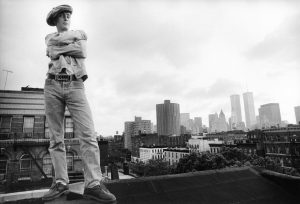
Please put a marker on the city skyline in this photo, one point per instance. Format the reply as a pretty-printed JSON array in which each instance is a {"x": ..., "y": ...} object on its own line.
[{"x": 194, "y": 53}]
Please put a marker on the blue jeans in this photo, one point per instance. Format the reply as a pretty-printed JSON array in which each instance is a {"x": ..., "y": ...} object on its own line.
[{"x": 58, "y": 95}]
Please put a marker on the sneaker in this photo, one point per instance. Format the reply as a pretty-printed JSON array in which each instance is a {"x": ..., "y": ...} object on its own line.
[
  {"x": 56, "y": 190},
  {"x": 99, "y": 193}
]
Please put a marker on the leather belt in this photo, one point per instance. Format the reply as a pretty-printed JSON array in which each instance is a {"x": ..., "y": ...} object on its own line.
[{"x": 62, "y": 77}]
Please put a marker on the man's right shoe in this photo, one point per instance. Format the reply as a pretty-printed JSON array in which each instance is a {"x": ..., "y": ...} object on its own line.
[
  {"x": 99, "y": 193},
  {"x": 55, "y": 191}
]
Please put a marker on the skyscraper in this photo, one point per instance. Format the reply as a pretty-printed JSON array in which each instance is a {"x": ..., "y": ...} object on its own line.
[
  {"x": 236, "y": 113},
  {"x": 222, "y": 125},
  {"x": 168, "y": 118},
  {"x": 269, "y": 115},
  {"x": 249, "y": 109},
  {"x": 218, "y": 122},
  {"x": 197, "y": 127},
  {"x": 184, "y": 120},
  {"x": 212, "y": 120},
  {"x": 297, "y": 114}
]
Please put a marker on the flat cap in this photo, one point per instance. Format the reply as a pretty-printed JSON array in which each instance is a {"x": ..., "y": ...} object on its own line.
[{"x": 55, "y": 11}]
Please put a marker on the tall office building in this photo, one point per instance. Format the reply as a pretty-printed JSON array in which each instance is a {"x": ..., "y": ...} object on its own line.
[
  {"x": 184, "y": 120},
  {"x": 269, "y": 115},
  {"x": 135, "y": 127},
  {"x": 197, "y": 127},
  {"x": 218, "y": 122},
  {"x": 222, "y": 124},
  {"x": 236, "y": 113},
  {"x": 212, "y": 119},
  {"x": 168, "y": 118},
  {"x": 297, "y": 114},
  {"x": 249, "y": 110}
]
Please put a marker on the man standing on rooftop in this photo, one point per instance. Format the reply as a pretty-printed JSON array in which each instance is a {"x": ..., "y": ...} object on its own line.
[{"x": 64, "y": 87}]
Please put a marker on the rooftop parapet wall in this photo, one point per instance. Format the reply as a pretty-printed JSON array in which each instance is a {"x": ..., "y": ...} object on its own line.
[{"x": 237, "y": 185}]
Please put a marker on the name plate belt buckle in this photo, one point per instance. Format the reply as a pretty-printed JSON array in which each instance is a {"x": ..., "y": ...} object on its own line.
[{"x": 63, "y": 77}]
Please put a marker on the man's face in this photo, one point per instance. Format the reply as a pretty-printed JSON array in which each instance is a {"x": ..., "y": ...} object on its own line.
[{"x": 63, "y": 21}]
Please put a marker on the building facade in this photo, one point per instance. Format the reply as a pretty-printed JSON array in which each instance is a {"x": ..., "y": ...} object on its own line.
[
  {"x": 147, "y": 153},
  {"x": 283, "y": 145},
  {"x": 198, "y": 145},
  {"x": 229, "y": 137},
  {"x": 168, "y": 118},
  {"x": 218, "y": 123},
  {"x": 173, "y": 155},
  {"x": 269, "y": 115},
  {"x": 184, "y": 120},
  {"x": 212, "y": 118},
  {"x": 236, "y": 113},
  {"x": 197, "y": 126},
  {"x": 128, "y": 133},
  {"x": 141, "y": 126},
  {"x": 297, "y": 114},
  {"x": 136, "y": 127},
  {"x": 249, "y": 110},
  {"x": 24, "y": 138},
  {"x": 151, "y": 140}
]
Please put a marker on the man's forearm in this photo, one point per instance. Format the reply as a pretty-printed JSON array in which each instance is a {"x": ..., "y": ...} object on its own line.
[{"x": 76, "y": 50}]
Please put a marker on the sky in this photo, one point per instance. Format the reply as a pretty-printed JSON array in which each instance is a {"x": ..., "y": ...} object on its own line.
[{"x": 142, "y": 52}]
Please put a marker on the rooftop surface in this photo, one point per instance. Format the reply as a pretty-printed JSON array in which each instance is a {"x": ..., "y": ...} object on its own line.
[{"x": 239, "y": 185}]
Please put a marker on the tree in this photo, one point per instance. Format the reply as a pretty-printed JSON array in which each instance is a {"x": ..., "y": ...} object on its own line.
[
  {"x": 200, "y": 162},
  {"x": 234, "y": 154},
  {"x": 153, "y": 167},
  {"x": 156, "y": 167}
]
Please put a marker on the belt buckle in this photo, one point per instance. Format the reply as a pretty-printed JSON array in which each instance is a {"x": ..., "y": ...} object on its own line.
[{"x": 62, "y": 77}]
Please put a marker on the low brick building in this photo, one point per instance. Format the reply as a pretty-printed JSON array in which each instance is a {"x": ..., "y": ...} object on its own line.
[
  {"x": 24, "y": 138},
  {"x": 155, "y": 140},
  {"x": 283, "y": 145}
]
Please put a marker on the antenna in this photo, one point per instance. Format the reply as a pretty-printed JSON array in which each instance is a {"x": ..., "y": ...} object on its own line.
[{"x": 7, "y": 71}]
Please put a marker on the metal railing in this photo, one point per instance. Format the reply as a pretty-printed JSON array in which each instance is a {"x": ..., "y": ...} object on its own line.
[{"x": 12, "y": 140}]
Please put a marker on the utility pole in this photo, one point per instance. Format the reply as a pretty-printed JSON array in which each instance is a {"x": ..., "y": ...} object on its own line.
[{"x": 7, "y": 71}]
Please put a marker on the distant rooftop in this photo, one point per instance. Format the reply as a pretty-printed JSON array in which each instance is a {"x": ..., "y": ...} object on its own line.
[{"x": 27, "y": 88}]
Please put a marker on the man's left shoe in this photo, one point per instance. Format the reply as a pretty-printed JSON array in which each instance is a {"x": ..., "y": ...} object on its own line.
[{"x": 99, "y": 193}]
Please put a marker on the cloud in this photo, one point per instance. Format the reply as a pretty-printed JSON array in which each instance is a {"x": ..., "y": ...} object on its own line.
[
  {"x": 148, "y": 82},
  {"x": 281, "y": 45},
  {"x": 139, "y": 32},
  {"x": 220, "y": 88}
]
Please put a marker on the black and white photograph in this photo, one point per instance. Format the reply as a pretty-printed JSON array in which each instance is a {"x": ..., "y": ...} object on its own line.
[{"x": 149, "y": 101}]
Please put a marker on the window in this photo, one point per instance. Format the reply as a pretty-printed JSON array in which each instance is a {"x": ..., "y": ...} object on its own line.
[
  {"x": 25, "y": 163},
  {"x": 47, "y": 132},
  {"x": 69, "y": 125},
  {"x": 3, "y": 166},
  {"x": 5, "y": 124},
  {"x": 70, "y": 162},
  {"x": 28, "y": 124},
  {"x": 47, "y": 165}
]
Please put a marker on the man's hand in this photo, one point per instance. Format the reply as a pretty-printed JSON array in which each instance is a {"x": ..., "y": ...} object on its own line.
[{"x": 76, "y": 50}]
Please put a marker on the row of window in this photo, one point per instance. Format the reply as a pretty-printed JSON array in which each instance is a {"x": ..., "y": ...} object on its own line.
[
  {"x": 177, "y": 154},
  {"x": 215, "y": 150},
  {"x": 25, "y": 164},
  {"x": 28, "y": 125},
  {"x": 283, "y": 150}
]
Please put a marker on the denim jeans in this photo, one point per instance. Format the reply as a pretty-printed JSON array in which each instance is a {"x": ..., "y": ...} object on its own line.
[{"x": 58, "y": 95}]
